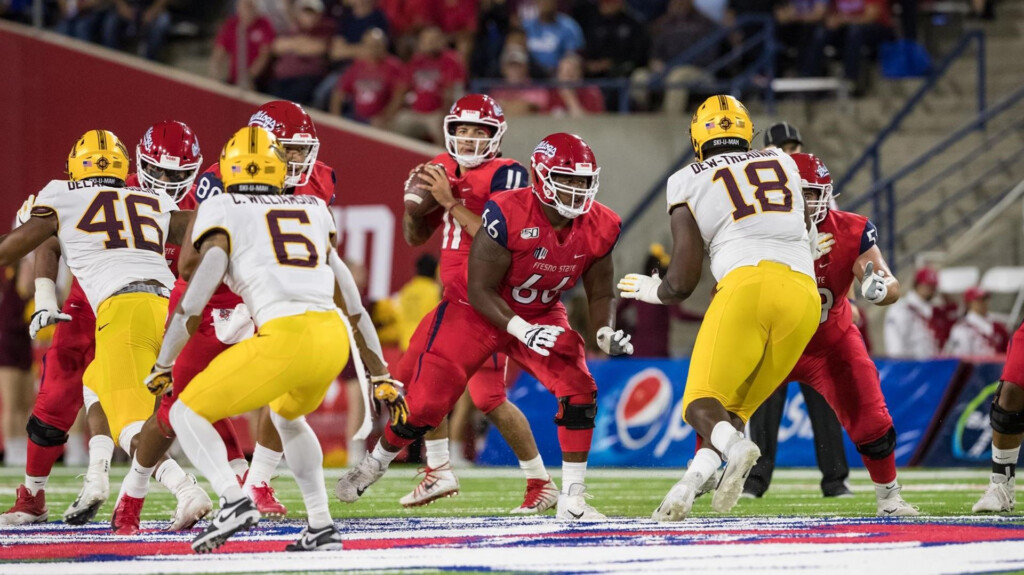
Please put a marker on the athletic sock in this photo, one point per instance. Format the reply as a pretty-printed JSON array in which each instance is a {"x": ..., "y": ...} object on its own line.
[{"x": 534, "y": 468}]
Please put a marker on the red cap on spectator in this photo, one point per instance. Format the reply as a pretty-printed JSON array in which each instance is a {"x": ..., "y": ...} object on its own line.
[
  {"x": 926, "y": 276},
  {"x": 973, "y": 294}
]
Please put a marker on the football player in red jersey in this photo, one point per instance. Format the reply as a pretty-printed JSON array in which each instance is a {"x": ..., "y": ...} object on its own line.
[
  {"x": 836, "y": 362},
  {"x": 168, "y": 158},
  {"x": 462, "y": 180},
  {"x": 538, "y": 242},
  {"x": 226, "y": 320}
]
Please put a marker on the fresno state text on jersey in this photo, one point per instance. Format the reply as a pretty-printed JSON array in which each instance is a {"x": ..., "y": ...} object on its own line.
[
  {"x": 854, "y": 234},
  {"x": 473, "y": 188},
  {"x": 545, "y": 262}
]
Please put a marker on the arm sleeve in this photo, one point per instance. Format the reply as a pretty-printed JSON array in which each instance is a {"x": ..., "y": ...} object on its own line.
[
  {"x": 509, "y": 177},
  {"x": 354, "y": 304},
  {"x": 204, "y": 282},
  {"x": 869, "y": 238},
  {"x": 493, "y": 221}
]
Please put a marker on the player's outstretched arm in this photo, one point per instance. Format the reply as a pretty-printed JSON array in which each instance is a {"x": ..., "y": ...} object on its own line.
[
  {"x": 877, "y": 284},
  {"x": 213, "y": 264},
  {"x": 347, "y": 298},
  {"x": 597, "y": 281},
  {"x": 25, "y": 238},
  {"x": 47, "y": 262},
  {"x": 684, "y": 270}
]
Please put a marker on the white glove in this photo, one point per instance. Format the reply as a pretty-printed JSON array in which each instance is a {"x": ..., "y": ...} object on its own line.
[
  {"x": 538, "y": 338},
  {"x": 47, "y": 311},
  {"x": 824, "y": 245},
  {"x": 614, "y": 342},
  {"x": 873, "y": 287},
  {"x": 25, "y": 211},
  {"x": 640, "y": 287},
  {"x": 44, "y": 318}
]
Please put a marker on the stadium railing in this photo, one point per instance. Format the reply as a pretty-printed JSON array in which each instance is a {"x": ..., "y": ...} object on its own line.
[
  {"x": 873, "y": 152},
  {"x": 883, "y": 197}
]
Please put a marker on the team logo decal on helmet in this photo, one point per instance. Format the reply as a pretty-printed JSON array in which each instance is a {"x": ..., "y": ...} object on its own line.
[
  {"x": 567, "y": 155},
  {"x": 476, "y": 109},
  {"x": 253, "y": 162},
  {"x": 814, "y": 175},
  {"x": 98, "y": 154},
  {"x": 295, "y": 130}
]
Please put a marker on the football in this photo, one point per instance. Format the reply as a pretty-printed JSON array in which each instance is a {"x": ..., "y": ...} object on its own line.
[{"x": 418, "y": 201}]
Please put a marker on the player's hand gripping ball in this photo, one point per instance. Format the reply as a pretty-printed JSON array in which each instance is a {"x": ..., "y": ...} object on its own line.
[{"x": 418, "y": 200}]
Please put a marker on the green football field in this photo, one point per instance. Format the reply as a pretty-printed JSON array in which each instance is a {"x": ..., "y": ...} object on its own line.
[{"x": 617, "y": 492}]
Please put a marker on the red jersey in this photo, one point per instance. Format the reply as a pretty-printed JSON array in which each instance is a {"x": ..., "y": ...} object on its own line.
[
  {"x": 430, "y": 78},
  {"x": 545, "y": 262},
  {"x": 371, "y": 85},
  {"x": 171, "y": 251},
  {"x": 854, "y": 234},
  {"x": 321, "y": 184},
  {"x": 473, "y": 188}
]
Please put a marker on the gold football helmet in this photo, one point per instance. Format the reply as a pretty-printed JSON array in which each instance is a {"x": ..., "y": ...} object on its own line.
[
  {"x": 98, "y": 154},
  {"x": 721, "y": 121},
  {"x": 255, "y": 159}
]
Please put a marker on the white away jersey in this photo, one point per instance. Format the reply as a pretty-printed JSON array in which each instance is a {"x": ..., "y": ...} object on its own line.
[
  {"x": 279, "y": 247},
  {"x": 110, "y": 237},
  {"x": 749, "y": 207}
]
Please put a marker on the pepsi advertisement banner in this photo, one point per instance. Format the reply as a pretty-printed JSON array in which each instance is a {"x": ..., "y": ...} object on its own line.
[
  {"x": 640, "y": 402},
  {"x": 965, "y": 437}
]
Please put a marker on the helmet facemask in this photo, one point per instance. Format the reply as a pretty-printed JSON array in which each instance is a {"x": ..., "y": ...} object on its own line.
[
  {"x": 150, "y": 170},
  {"x": 582, "y": 199},
  {"x": 300, "y": 172},
  {"x": 818, "y": 208},
  {"x": 484, "y": 149}
]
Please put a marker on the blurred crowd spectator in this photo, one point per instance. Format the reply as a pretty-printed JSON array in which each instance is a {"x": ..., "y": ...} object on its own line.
[
  {"x": 925, "y": 324},
  {"x": 535, "y": 56}
]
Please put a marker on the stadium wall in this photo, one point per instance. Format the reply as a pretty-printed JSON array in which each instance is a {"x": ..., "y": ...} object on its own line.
[{"x": 54, "y": 89}]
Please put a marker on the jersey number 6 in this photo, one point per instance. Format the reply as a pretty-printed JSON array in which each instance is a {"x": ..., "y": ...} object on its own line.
[
  {"x": 741, "y": 208},
  {"x": 282, "y": 239}
]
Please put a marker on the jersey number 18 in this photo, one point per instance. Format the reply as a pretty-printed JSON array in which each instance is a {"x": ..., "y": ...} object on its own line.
[{"x": 752, "y": 171}]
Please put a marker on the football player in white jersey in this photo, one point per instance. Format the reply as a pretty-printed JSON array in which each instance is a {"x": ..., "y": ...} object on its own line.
[
  {"x": 747, "y": 208},
  {"x": 112, "y": 238},
  {"x": 278, "y": 253}
]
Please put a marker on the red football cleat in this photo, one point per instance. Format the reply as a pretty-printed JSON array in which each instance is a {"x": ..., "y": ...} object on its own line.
[
  {"x": 266, "y": 502},
  {"x": 126, "y": 515},
  {"x": 27, "y": 509}
]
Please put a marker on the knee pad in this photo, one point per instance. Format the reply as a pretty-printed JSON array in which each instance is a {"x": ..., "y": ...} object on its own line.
[
  {"x": 411, "y": 432},
  {"x": 576, "y": 415},
  {"x": 89, "y": 398},
  {"x": 45, "y": 435},
  {"x": 124, "y": 439},
  {"x": 881, "y": 447},
  {"x": 1004, "y": 421}
]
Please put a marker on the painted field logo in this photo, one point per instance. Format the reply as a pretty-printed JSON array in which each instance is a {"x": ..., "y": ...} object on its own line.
[
  {"x": 972, "y": 437},
  {"x": 640, "y": 413}
]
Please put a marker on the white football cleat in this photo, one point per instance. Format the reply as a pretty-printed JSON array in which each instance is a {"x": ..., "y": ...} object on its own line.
[
  {"x": 95, "y": 492},
  {"x": 193, "y": 505},
  {"x": 710, "y": 484},
  {"x": 739, "y": 461},
  {"x": 679, "y": 500},
  {"x": 999, "y": 497},
  {"x": 574, "y": 507},
  {"x": 541, "y": 495},
  {"x": 436, "y": 483},
  {"x": 893, "y": 505},
  {"x": 351, "y": 486}
]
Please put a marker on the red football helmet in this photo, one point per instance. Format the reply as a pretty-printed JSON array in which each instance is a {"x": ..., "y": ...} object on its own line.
[
  {"x": 814, "y": 175},
  {"x": 475, "y": 109},
  {"x": 168, "y": 158},
  {"x": 565, "y": 154},
  {"x": 295, "y": 130}
]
